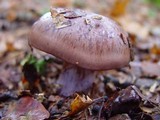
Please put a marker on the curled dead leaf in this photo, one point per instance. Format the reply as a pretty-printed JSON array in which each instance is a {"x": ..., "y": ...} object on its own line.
[
  {"x": 79, "y": 104},
  {"x": 147, "y": 109}
]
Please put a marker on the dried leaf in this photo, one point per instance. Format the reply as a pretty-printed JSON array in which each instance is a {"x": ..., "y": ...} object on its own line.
[
  {"x": 67, "y": 13},
  {"x": 28, "y": 108},
  {"x": 63, "y": 24},
  {"x": 54, "y": 12},
  {"x": 79, "y": 104},
  {"x": 59, "y": 20},
  {"x": 147, "y": 109},
  {"x": 122, "y": 102},
  {"x": 144, "y": 98},
  {"x": 61, "y": 16}
]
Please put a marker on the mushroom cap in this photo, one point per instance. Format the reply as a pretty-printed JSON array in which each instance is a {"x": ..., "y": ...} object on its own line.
[{"x": 85, "y": 39}]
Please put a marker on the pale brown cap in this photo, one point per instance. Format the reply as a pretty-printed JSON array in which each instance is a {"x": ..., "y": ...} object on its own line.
[{"x": 85, "y": 39}]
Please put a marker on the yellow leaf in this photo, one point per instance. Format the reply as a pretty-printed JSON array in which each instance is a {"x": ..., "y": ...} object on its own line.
[
  {"x": 119, "y": 8},
  {"x": 79, "y": 104}
]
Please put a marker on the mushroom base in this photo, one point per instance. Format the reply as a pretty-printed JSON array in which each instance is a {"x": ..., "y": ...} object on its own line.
[{"x": 75, "y": 79}]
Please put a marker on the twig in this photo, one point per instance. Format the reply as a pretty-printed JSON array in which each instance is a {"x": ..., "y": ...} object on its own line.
[{"x": 100, "y": 111}]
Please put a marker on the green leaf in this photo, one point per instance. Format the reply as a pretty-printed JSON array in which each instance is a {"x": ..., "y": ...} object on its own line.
[
  {"x": 29, "y": 59},
  {"x": 40, "y": 66}
]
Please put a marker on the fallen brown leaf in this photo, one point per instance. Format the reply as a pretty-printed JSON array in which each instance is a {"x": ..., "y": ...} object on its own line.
[
  {"x": 121, "y": 102},
  {"x": 26, "y": 108}
]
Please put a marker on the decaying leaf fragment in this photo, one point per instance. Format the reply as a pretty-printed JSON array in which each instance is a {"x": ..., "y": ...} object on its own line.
[
  {"x": 59, "y": 20},
  {"x": 122, "y": 102},
  {"x": 79, "y": 104},
  {"x": 26, "y": 108},
  {"x": 61, "y": 17}
]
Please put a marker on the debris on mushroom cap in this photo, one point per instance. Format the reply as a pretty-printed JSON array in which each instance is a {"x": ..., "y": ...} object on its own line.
[
  {"x": 97, "y": 17},
  {"x": 67, "y": 13},
  {"x": 93, "y": 41}
]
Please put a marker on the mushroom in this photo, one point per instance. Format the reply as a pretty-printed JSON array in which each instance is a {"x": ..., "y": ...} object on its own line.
[{"x": 86, "y": 41}]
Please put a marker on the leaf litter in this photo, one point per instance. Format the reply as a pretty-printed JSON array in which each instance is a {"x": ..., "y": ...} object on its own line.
[{"x": 112, "y": 96}]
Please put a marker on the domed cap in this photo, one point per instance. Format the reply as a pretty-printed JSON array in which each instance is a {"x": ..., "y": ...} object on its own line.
[{"x": 85, "y": 39}]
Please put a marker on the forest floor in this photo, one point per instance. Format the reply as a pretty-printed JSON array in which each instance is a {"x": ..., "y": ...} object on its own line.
[{"x": 28, "y": 88}]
